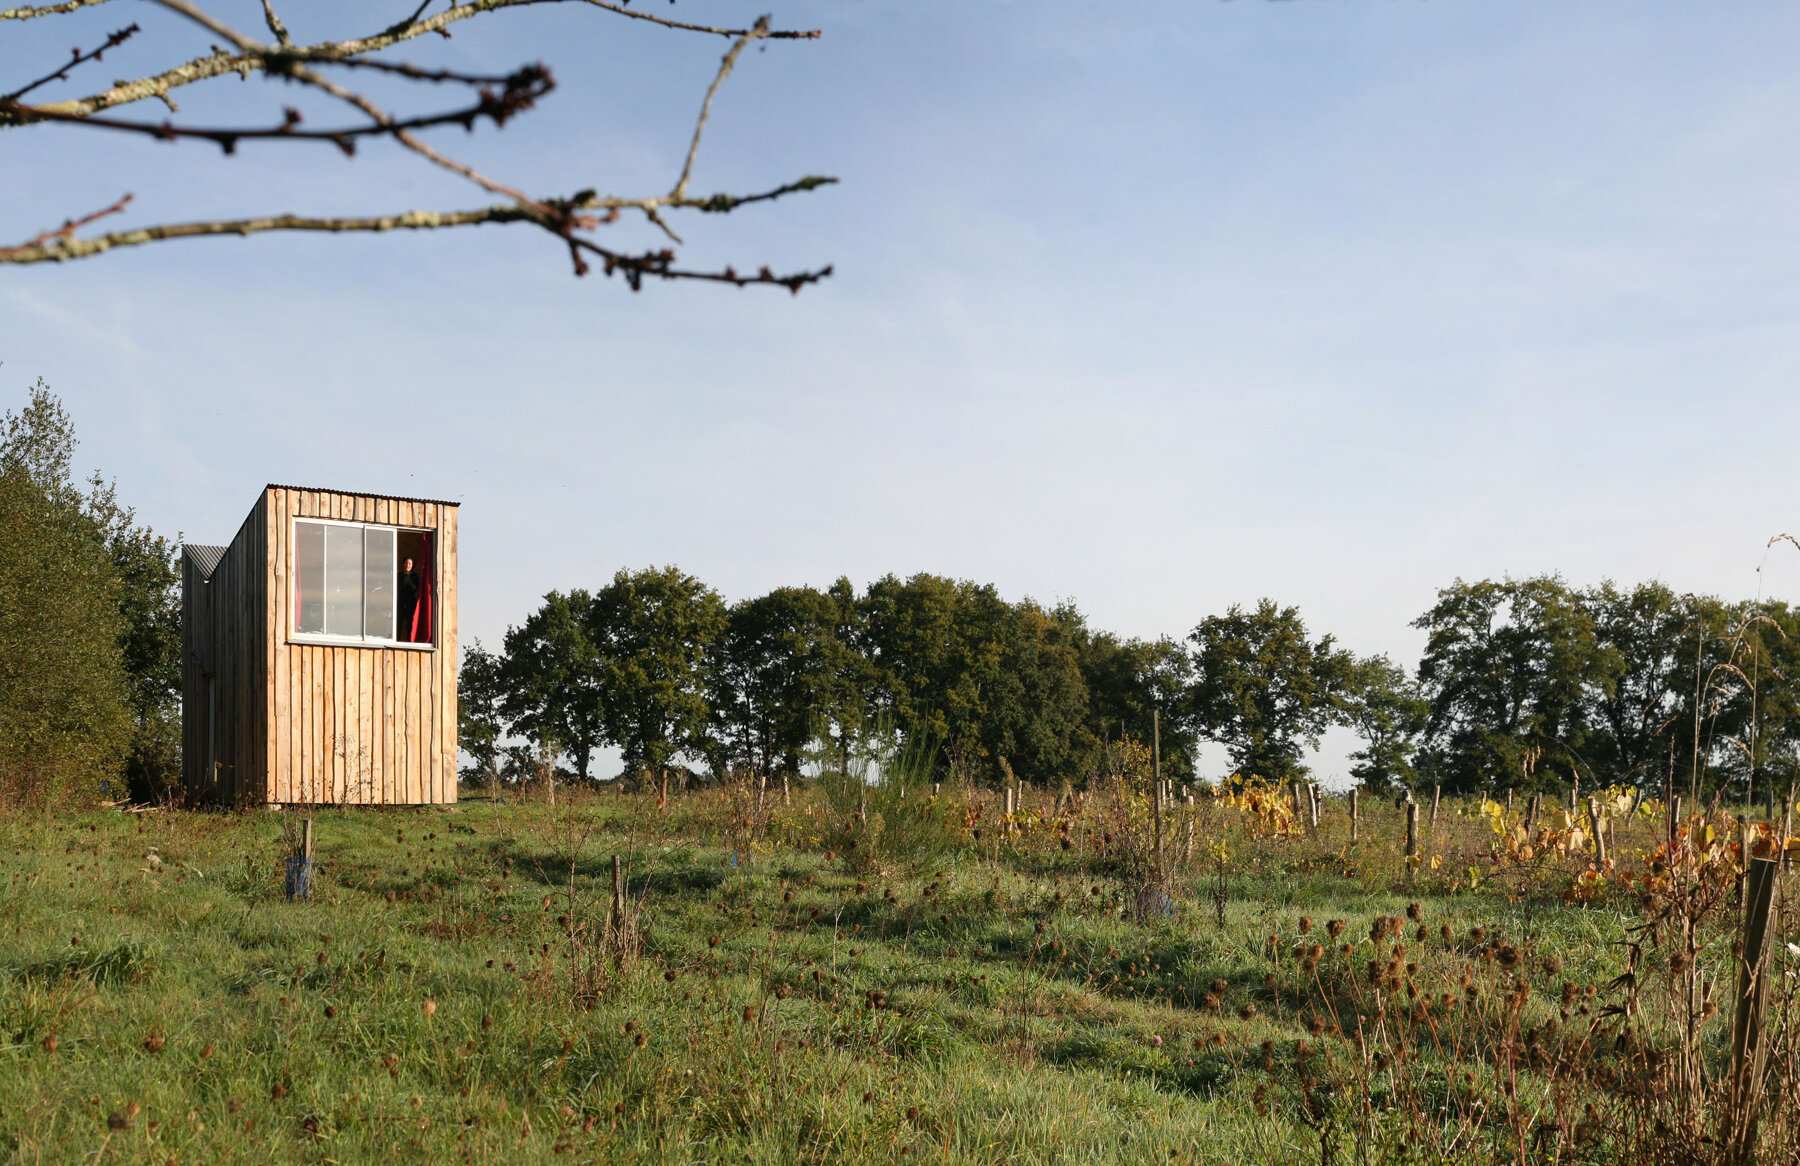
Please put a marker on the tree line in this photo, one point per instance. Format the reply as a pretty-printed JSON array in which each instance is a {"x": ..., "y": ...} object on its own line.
[{"x": 1526, "y": 684}]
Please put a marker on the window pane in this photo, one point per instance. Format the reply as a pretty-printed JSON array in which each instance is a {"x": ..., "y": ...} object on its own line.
[
  {"x": 343, "y": 580},
  {"x": 378, "y": 582},
  {"x": 309, "y": 577}
]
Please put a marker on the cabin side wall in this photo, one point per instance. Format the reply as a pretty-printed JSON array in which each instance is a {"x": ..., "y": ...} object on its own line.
[
  {"x": 354, "y": 724},
  {"x": 225, "y": 671}
]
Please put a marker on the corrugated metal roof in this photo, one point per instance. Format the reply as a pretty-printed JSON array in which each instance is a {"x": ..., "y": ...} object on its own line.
[
  {"x": 361, "y": 494},
  {"x": 204, "y": 558}
]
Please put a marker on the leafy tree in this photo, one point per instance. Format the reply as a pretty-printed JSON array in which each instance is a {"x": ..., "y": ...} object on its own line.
[
  {"x": 147, "y": 574},
  {"x": 654, "y": 632},
  {"x": 955, "y": 665},
  {"x": 1389, "y": 714},
  {"x": 1633, "y": 714},
  {"x": 782, "y": 675},
  {"x": 551, "y": 686},
  {"x": 1263, "y": 689},
  {"x": 1128, "y": 679},
  {"x": 1508, "y": 670},
  {"x": 480, "y": 718},
  {"x": 65, "y": 713}
]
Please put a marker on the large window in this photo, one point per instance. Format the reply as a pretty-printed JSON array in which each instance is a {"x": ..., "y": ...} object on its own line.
[{"x": 359, "y": 582}]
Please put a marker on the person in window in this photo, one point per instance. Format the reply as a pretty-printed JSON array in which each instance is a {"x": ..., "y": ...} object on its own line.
[{"x": 409, "y": 601}]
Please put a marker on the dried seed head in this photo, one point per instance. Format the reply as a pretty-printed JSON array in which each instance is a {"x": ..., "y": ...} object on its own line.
[
  {"x": 154, "y": 1043},
  {"x": 1219, "y": 987},
  {"x": 429, "y": 1007},
  {"x": 1246, "y": 1010},
  {"x": 1335, "y": 928},
  {"x": 1306, "y": 924},
  {"x": 1414, "y": 912}
]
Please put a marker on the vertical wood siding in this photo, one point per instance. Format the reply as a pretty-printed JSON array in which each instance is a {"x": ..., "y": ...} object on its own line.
[
  {"x": 222, "y": 641},
  {"x": 352, "y": 724}
]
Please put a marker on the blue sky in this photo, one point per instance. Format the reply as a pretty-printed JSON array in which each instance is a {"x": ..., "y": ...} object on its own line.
[{"x": 1158, "y": 307}]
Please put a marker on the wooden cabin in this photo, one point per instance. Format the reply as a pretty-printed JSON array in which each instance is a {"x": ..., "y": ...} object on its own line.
[{"x": 316, "y": 669}]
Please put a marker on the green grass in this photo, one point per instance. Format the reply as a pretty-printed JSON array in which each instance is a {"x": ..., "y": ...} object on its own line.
[{"x": 797, "y": 1008}]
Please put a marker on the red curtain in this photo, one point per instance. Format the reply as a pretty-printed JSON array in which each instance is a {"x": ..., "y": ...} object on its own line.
[{"x": 422, "y": 610}]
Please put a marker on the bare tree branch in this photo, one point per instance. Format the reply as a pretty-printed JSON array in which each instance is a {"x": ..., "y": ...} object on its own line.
[
  {"x": 411, "y": 142},
  {"x": 59, "y": 245},
  {"x": 243, "y": 64},
  {"x": 562, "y": 217},
  {"x": 63, "y": 232},
  {"x": 47, "y": 9},
  {"x": 77, "y": 57},
  {"x": 275, "y": 25},
  {"x": 780, "y": 34},
  {"x": 523, "y": 88},
  {"x": 209, "y": 22},
  {"x": 725, "y": 66}
]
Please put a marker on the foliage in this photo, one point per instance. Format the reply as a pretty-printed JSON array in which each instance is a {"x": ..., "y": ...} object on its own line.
[
  {"x": 65, "y": 696},
  {"x": 1127, "y": 681},
  {"x": 552, "y": 688},
  {"x": 1389, "y": 714},
  {"x": 953, "y": 662},
  {"x": 653, "y": 632},
  {"x": 480, "y": 719},
  {"x": 785, "y": 673},
  {"x": 1262, "y": 688}
]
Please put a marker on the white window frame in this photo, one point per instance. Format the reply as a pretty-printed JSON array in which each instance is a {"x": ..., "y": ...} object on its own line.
[{"x": 295, "y": 636}]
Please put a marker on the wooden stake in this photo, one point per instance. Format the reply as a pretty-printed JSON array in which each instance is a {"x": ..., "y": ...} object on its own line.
[
  {"x": 306, "y": 839},
  {"x": 1674, "y": 817},
  {"x": 1509, "y": 799},
  {"x": 1593, "y": 810},
  {"x": 1412, "y": 835},
  {"x": 1746, "y": 1080},
  {"x": 1156, "y": 778},
  {"x": 1355, "y": 813},
  {"x": 1437, "y": 796},
  {"x": 1787, "y": 827},
  {"x": 1531, "y": 814}
]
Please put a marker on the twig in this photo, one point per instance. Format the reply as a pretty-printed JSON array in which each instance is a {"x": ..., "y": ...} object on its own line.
[
  {"x": 47, "y": 9},
  {"x": 209, "y": 22},
  {"x": 523, "y": 88},
  {"x": 779, "y": 34},
  {"x": 77, "y": 57},
  {"x": 382, "y": 118},
  {"x": 725, "y": 67},
  {"x": 60, "y": 246},
  {"x": 68, "y": 228},
  {"x": 275, "y": 25},
  {"x": 220, "y": 63}
]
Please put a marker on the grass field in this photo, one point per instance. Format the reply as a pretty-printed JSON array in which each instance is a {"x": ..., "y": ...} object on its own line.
[{"x": 798, "y": 984}]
